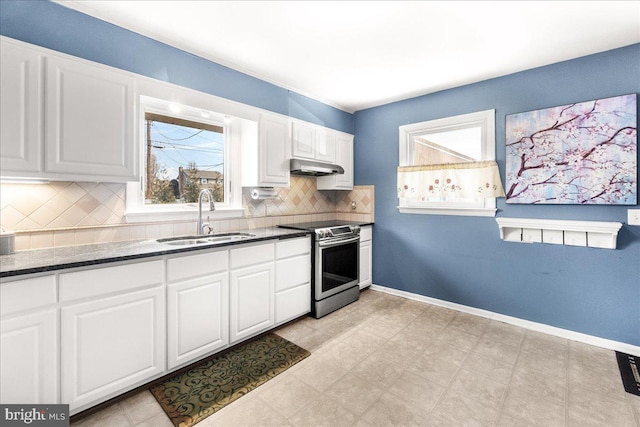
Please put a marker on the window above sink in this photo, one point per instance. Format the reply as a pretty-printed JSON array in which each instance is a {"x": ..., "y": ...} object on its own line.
[{"x": 183, "y": 149}]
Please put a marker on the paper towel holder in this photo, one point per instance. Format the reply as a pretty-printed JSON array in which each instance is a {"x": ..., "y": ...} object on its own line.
[{"x": 264, "y": 193}]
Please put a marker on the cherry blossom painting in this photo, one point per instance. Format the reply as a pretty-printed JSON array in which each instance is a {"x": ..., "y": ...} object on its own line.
[{"x": 583, "y": 153}]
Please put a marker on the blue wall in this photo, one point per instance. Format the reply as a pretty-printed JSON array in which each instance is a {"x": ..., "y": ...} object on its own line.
[
  {"x": 55, "y": 27},
  {"x": 462, "y": 259}
]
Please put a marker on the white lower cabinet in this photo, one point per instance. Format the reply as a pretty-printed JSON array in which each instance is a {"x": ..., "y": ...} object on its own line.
[
  {"x": 111, "y": 343},
  {"x": 293, "y": 278},
  {"x": 197, "y": 306},
  {"x": 251, "y": 302},
  {"x": 252, "y": 284},
  {"x": 366, "y": 256},
  {"x": 81, "y": 337},
  {"x": 29, "y": 339},
  {"x": 28, "y": 357}
]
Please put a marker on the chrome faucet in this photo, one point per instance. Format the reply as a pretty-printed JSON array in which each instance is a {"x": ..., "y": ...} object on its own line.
[{"x": 212, "y": 207}]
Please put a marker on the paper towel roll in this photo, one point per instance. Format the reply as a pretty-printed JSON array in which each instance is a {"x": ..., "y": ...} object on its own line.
[
  {"x": 263, "y": 193},
  {"x": 7, "y": 242}
]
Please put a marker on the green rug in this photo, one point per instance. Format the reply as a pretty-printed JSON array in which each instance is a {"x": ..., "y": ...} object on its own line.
[{"x": 205, "y": 389}]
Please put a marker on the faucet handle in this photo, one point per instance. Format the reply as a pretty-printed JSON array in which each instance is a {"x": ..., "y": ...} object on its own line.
[{"x": 206, "y": 226}]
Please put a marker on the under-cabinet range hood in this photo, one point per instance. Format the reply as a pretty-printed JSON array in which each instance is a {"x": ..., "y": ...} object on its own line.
[{"x": 311, "y": 168}]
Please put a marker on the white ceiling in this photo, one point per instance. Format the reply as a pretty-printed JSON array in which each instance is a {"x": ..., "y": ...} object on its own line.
[{"x": 359, "y": 54}]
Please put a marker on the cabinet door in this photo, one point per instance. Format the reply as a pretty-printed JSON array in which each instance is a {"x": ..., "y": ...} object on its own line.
[
  {"x": 252, "y": 301},
  {"x": 344, "y": 158},
  {"x": 20, "y": 110},
  {"x": 303, "y": 140},
  {"x": 29, "y": 359},
  {"x": 89, "y": 126},
  {"x": 111, "y": 344},
  {"x": 197, "y": 319},
  {"x": 365, "y": 264},
  {"x": 274, "y": 143},
  {"x": 325, "y": 146}
]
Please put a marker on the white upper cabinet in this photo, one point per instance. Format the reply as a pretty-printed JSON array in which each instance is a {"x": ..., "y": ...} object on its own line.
[
  {"x": 20, "y": 110},
  {"x": 313, "y": 142},
  {"x": 274, "y": 143},
  {"x": 344, "y": 158},
  {"x": 326, "y": 145},
  {"x": 266, "y": 149},
  {"x": 89, "y": 126},
  {"x": 303, "y": 140},
  {"x": 74, "y": 122}
]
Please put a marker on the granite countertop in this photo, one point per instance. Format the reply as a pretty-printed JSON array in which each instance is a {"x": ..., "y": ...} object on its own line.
[{"x": 43, "y": 260}]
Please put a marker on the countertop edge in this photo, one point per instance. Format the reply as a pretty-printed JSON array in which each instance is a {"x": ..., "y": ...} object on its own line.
[{"x": 160, "y": 251}]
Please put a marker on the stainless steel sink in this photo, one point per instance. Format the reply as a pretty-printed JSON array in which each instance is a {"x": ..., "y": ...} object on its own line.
[
  {"x": 182, "y": 242},
  {"x": 205, "y": 239}
]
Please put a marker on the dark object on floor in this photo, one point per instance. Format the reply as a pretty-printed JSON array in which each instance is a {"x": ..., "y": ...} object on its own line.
[
  {"x": 205, "y": 389},
  {"x": 630, "y": 371}
]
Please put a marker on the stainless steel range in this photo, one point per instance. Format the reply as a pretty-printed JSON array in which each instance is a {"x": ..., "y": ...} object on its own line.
[{"x": 336, "y": 265}]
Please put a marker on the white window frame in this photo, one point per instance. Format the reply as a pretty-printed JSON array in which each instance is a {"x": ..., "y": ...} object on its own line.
[
  {"x": 138, "y": 211},
  {"x": 486, "y": 120}
]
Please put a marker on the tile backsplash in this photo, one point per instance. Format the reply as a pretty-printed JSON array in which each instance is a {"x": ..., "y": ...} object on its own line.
[
  {"x": 72, "y": 213},
  {"x": 61, "y": 205}
]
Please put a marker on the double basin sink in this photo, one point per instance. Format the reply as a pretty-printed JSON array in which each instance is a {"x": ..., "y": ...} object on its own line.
[{"x": 206, "y": 239}]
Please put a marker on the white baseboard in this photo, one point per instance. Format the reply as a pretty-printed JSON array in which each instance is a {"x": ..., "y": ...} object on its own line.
[{"x": 527, "y": 324}]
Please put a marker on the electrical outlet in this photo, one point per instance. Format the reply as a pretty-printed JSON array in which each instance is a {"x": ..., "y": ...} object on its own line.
[{"x": 633, "y": 216}]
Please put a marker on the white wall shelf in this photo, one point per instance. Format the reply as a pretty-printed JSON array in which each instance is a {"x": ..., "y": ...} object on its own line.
[{"x": 594, "y": 234}]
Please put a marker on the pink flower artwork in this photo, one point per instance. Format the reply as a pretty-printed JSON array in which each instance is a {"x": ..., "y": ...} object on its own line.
[{"x": 583, "y": 153}]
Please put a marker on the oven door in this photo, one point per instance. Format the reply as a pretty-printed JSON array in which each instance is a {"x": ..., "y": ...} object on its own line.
[{"x": 337, "y": 262}]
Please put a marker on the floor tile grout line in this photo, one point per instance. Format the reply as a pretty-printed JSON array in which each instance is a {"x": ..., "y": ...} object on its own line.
[
  {"x": 513, "y": 370},
  {"x": 361, "y": 417},
  {"x": 455, "y": 375}
]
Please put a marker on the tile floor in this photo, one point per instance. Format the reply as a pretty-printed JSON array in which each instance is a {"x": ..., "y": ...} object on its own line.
[{"x": 389, "y": 361}]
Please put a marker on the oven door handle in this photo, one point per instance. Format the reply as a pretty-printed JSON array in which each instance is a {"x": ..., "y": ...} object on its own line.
[{"x": 337, "y": 242}]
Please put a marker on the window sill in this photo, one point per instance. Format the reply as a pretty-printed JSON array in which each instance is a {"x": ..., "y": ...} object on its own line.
[
  {"x": 486, "y": 212},
  {"x": 139, "y": 216}
]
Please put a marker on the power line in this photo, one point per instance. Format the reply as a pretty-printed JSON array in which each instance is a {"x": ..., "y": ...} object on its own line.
[
  {"x": 188, "y": 147},
  {"x": 175, "y": 139}
]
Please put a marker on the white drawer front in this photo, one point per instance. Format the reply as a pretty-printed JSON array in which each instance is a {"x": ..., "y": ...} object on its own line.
[
  {"x": 251, "y": 255},
  {"x": 366, "y": 233},
  {"x": 291, "y": 247},
  {"x": 293, "y": 303},
  {"x": 27, "y": 294},
  {"x": 292, "y": 272},
  {"x": 202, "y": 264},
  {"x": 107, "y": 280}
]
